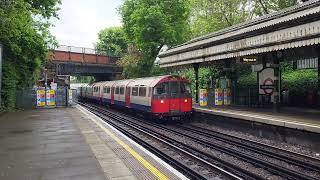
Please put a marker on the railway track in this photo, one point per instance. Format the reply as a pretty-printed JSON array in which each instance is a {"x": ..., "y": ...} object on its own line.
[
  {"x": 274, "y": 152},
  {"x": 201, "y": 135},
  {"x": 203, "y": 169}
]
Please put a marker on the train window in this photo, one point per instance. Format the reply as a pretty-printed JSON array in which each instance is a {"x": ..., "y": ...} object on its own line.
[
  {"x": 135, "y": 91},
  {"x": 108, "y": 90},
  {"x": 104, "y": 90},
  {"x": 174, "y": 88},
  {"x": 121, "y": 90},
  {"x": 185, "y": 88},
  {"x": 117, "y": 90},
  {"x": 142, "y": 91},
  {"x": 161, "y": 89}
]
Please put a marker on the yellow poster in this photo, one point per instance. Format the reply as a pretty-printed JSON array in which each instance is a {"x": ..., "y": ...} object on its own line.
[
  {"x": 51, "y": 99},
  {"x": 218, "y": 97},
  {"x": 203, "y": 97},
  {"x": 41, "y": 98}
]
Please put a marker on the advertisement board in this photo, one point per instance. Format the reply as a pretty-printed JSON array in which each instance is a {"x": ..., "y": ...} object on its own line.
[
  {"x": 70, "y": 96},
  {"x": 203, "y": 97},
  {"x": 41, "y": 98},
  {"x": 218, "y": 95},
  {"x": 51, "y": 97},
  {"x": 227, "y": 96}
]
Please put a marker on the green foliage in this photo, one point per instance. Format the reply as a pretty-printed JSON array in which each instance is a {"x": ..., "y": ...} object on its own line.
[
  {"x": 300, "y": 80},
  {"x": 212, "y": 15},
  {"x": 262, "y": 7},
  {"x": 83, "y": 79},
  {"x": 205, "y": 76},
  {"x": 247, "y": 80},
  {"x": 112, "y": 42},
  {"x": 150, "y": 24},
  {"x": 25, "y": 36},
  {"x": 9, "y": 87}
]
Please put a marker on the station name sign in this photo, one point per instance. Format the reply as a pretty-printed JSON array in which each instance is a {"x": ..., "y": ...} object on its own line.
[{"x": 248, "y": 60}]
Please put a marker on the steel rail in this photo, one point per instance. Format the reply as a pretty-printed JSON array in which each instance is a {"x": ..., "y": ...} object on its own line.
[
  {"x": 267, "y": 150},
  {"x": 227, "y": 165},
  {"x": 187, "y": 170},
  {"x": 257, "y": 161}
]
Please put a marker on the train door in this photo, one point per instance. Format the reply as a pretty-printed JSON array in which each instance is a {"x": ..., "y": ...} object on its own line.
[
  {"x": 127, "y": 96},
  {"x": 174, "y": 96},
  {"x": 112, "y": 95}
]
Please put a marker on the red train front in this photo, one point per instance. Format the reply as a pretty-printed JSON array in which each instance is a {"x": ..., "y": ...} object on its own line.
[{"x": 172, "y": 98}]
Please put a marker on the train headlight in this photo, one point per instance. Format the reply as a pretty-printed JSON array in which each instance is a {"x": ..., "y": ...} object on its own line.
[
  {"x": 162, "y": 101},
  {"x": 186, "y": 100}
]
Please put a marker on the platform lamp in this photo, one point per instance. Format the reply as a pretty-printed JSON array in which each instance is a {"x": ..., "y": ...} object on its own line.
[{"x": 0, "y": 72}]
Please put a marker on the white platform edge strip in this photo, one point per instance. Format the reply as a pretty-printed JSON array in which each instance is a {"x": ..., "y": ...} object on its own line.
[
  {"x": 156, "y": 158},
  {"x": 258, "y": 116}
]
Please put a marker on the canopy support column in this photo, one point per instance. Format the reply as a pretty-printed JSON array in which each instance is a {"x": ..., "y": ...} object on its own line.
[
  {"x": 196, "y": 72},
  {"x": 318, "y": 87},
  {"x": 277, "y": 77}
]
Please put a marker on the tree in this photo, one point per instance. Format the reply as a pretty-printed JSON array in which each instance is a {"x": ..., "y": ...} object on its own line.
[
  {"x": 262, "y": 7},
  {"x": 213, "y": 15},
  {"x": 112, "y": 42},
  {"x": 150, "y": 24},
  {"x": 25, "y": 37}
]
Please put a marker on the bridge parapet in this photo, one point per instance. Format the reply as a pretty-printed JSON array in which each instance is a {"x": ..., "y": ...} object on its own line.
[{"x": 80, "y": 55}]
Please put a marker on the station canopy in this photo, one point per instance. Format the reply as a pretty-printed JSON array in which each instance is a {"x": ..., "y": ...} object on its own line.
[{"x": 293, "y": 27}]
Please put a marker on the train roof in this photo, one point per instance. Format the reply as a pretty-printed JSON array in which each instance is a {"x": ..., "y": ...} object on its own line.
[{"x": 145, "y": 81}]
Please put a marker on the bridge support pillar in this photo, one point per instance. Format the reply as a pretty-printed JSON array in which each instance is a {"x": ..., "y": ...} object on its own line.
[{"x": 196, "y": 71}]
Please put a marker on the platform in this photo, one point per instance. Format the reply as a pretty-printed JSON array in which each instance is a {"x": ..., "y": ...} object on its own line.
[
  {"x": 71, "y": 143},
  {"x": 296, "y": 118}
]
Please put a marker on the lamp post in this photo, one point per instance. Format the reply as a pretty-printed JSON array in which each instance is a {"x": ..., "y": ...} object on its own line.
[{"x": 0, "y": 73}]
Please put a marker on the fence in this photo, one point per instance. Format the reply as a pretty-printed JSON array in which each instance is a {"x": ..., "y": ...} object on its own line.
[
  {"x": 27, "y": 98},
  {"x": 247, "y": 97}
]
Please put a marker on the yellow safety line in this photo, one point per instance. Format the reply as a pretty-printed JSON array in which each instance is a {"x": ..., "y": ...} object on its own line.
[{"x": 144, "y": 162}]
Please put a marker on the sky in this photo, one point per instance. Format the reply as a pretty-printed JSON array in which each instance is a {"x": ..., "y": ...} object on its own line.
[{"x": 81, "y": 20}]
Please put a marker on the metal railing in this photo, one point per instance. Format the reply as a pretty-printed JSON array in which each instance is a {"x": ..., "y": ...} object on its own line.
[{"x": 75, "y": 49}]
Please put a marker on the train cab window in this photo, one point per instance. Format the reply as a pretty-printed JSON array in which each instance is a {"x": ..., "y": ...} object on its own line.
[
  {"x": 135, "y": 91},
  {"x": 121, "y": 90},
  {"x": 185, "y": 88},
  {"x": 108, "y": 90},
  {"x": 104, "y": 90},
  {"x": 161, "y": 89},
  {"x": 117, "y": 90},
  {"x": 174, "y": 88},
  {"x": 142, "y": 91}
]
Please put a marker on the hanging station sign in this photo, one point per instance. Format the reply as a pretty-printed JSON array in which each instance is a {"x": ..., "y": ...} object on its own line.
[{"x": 247, "y": 60}]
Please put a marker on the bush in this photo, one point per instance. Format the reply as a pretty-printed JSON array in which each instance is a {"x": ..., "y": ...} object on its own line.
[
  {"x": 247, "y": 80},
  {"x": 300, "y": 80}
]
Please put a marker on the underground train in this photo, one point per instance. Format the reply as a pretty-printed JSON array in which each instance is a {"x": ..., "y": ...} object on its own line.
[{"x": 162, "y": 97}]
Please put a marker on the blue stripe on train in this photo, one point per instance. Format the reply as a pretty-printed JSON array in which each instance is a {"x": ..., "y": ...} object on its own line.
[
  {"x": 132, "y": 105},
  {"x": 141, "y": 107},
  {"x": 120, "y": 103},
  {"x": 105, "y": 100}
]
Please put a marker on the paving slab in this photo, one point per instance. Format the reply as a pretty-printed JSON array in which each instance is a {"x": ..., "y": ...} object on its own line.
[
  {"x": 68, "y": 144},
  {"x": 45, "y": 144}
]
